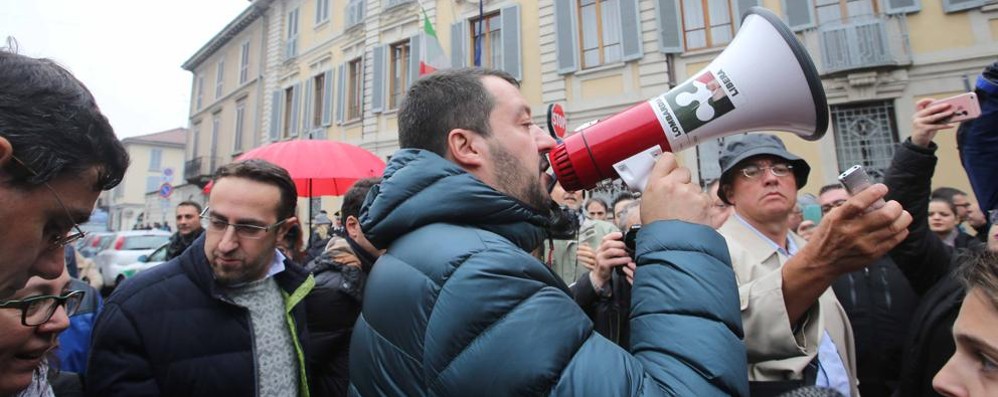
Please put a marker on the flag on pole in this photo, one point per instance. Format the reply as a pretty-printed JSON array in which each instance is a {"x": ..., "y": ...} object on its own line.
[{"x": 432, "y": 57}]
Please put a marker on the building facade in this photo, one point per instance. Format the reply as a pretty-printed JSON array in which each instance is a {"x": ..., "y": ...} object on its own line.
[
  {"x": 337, "y": 69},
  {"x": 156, "y": 159}
]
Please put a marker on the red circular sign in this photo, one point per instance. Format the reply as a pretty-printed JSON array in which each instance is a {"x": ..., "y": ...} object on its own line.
[{"x": 557, "y": 122}]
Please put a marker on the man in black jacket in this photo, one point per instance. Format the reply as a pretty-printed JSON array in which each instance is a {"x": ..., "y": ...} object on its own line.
[
  {"x": 335, "y": 302},
  {"x": 879, "y": 302},
  {"x": 188, "y": 229},
  {"x": 226, "y": 317}
]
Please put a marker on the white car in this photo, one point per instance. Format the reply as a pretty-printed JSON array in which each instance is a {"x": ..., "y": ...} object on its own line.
[
  {"x": 145, "y": 262},
  {"x": 126, "y": 248}
]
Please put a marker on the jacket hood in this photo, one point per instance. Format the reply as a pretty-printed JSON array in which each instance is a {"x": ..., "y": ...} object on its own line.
[{"x": 421, "y": 188}]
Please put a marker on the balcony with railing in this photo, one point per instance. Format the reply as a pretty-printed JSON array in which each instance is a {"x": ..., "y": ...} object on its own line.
[
  {"x": 198, "y": 171},
  {"x": 857, "y": 43}
]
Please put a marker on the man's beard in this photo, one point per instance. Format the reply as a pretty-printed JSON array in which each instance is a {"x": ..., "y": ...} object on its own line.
[{"x": 517, "y": 182}]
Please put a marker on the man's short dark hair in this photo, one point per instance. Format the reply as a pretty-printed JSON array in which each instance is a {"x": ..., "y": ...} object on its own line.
[
  {"x": 947, "y": 193},
  {"x": 190, "y": 204},
  {"x": 54, "y": 125},
  {"x": 829, "y": 187},
  {"x": 354, "y": 199},
  {"x": 443, "y": 101},
  {"x": 625, "y": 195},
  {"x": 264, "y": 172}
]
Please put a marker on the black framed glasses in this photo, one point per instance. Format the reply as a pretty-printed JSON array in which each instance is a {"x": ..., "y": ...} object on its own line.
[
  {"x": 38, "y": 310},
  {"x": 64, "y": 239},
  {"x": 778, "y": 170},
  {"x": 251, "y": 232}
]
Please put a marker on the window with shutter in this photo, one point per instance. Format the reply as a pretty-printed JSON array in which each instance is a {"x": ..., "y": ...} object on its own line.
[
  {"x": 318, "y": 95},
  {"x": 707, "y": 23},
  {"x": 960, "y": 5},
  {"x": 398, "y": 73},
  {"x": 486, "y": 41},
  {"x": 355, "y": 95},
  {"x": 458, "y": 44},
  {"x": 237, "y": 140},
  {"x": 509, "y": 58},
  {"x": 670, "y": 26},
  {"x": 288, "y": 113},
  {"x": 599, "y": 32},
  {"x": 566, "y": 35},
  {"x": 244, "y": 58},
  {"x": 902, "y": 6},
  {"x": 799, "y": 13}
]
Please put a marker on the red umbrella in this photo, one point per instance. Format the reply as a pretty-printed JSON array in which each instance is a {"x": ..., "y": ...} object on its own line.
[{"x": 319, "y": 167}]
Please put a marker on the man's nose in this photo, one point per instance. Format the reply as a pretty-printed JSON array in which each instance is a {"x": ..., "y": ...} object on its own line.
[
  {"x": 229, "y": 239},
  {"x": 50, "y": 264},
  {"x": 544, "y": 140}
]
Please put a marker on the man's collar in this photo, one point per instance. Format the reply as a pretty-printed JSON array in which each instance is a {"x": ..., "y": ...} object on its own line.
[{"x": 791, "y": 245}]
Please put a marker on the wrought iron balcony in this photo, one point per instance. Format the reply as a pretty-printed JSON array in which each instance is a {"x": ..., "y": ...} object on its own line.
[
  {"x": 858, "y": 43},
  {"x": 198, "y": 171}
]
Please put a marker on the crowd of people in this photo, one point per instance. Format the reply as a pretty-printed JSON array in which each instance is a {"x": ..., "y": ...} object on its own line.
[{"x": 467, "y": 269}]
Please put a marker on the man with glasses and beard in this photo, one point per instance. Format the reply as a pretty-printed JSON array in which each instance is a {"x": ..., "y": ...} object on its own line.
[
  {"x": 457, "y": 305},
  {"x": 57, "y": 153},
  {"x": 227, "y": 316}
]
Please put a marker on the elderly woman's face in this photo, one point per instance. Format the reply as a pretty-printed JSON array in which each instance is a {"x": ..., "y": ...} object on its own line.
[{"x": 23, "y": 348}]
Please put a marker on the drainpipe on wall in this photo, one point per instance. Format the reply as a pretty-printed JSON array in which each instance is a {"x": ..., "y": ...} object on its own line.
[{"x": 670, "y": 63}]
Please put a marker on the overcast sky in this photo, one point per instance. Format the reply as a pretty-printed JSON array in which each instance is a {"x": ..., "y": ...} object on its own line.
[{"x": 128, "y": 52}]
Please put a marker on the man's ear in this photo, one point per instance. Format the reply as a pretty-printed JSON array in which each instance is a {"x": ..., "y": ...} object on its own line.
[
  {"x": 466, "y": 148},
  {"x": 352, "y": 227},
  {"x": 286, "y": 227}
]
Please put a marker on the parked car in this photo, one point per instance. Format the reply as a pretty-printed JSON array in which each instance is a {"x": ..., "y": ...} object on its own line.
[
  {"x": 145, "y": 262},
  {"x": 126, "y": 248},
  {"x": 94, "y": 243}
]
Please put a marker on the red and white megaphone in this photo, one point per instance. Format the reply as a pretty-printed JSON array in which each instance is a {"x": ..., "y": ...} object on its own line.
[{"x": 764, "y": 80}]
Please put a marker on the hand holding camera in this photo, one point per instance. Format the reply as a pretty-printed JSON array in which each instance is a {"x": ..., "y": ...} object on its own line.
[{"x": 612, "y": 253}]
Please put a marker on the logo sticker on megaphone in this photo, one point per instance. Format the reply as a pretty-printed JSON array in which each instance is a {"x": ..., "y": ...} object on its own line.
[{"x": 731, "y": 95}]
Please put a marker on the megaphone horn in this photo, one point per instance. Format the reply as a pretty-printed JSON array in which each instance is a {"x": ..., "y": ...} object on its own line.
[{"x": 764, "y": 80}]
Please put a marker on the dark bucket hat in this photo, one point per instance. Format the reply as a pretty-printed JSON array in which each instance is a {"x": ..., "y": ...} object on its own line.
[{"x": 737, "y": 150}]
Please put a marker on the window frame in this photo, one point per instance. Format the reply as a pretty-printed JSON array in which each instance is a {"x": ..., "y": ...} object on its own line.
[
  {"x": 219, "y": 78},
  {"x": 355, "y": 94},
  {"x": 155, "y": 159},
  {"x": 287, "y": 116},
  {"x": 487, "y": 44},
  {"x": 244, "y": 50},
  {"x": 199, "y": 92},
  {"x": 601, "y": 47},
  {"x": 318, "y": 82},
  {"x": 398, "y": 68},
  {"x": 321, "y": 12},
  {"x": 240, "y": 121},
  {"x": 707, "y": 27}
]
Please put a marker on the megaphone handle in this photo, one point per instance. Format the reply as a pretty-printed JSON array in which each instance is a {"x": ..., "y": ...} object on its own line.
[{"x": 634, "y": 170}]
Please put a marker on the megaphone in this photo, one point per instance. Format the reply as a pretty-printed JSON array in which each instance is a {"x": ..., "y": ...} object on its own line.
[{"x": 764, "y": 80}]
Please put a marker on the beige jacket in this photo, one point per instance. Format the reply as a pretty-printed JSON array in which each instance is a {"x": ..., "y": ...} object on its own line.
[{"x": 774, "y": 351}]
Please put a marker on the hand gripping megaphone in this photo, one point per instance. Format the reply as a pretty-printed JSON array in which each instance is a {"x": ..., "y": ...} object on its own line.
[{"x": 764, "y": 80}]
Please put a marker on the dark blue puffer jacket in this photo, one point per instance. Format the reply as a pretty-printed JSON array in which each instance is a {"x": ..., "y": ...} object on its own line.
[
  {"x": 172, "y": 331},
  {"x": 457, "y": 307}
]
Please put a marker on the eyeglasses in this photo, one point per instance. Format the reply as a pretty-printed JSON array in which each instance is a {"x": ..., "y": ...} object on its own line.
[
  {"x": 778, "y": 170},
  {"x": 993, "y": 217},
  {"x": 63, "y": 239},
  {"x": 251, "y": 232},
  {"x": 38, "y": 310}
]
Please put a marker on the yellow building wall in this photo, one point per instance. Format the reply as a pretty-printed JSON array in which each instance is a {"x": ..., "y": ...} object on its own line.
[
  {"x": 931, "y": 29},
  {"x": 530, "y": 57},
  {"x": 609, "y": 86},
  {"x": 135, "y": 178}
]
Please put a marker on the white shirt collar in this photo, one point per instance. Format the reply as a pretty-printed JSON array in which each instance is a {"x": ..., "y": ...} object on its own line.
[{"x": 791, "y": 245}]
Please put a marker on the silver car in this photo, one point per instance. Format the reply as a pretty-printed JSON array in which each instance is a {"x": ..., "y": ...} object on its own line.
[{"x": 125, "y": 249}]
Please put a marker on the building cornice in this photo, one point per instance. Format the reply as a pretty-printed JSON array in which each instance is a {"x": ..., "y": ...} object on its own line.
[{"x": 247, "y": 17}]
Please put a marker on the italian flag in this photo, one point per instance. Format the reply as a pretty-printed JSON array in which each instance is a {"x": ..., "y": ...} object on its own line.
[{"x": 432, "y": 57}]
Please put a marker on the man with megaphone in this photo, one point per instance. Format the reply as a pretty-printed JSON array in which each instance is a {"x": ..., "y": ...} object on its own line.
[
  {"x": 796, "y": 332},
  {"x": 458, "y": 306}
]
